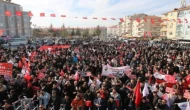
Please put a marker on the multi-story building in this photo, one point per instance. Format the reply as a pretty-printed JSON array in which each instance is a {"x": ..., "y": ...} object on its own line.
[
  {"x": 130, "y": 24},
  {"x": 183, "y": 27},
  {"x": 163, "y": 31},
  {"x": 140, "y": 28},
  {"x": 14, "y": 25},
  {"x": 169, "y": 24}
]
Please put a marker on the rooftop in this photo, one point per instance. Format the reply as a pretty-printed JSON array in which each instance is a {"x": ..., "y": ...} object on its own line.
[
  {"x": 1, "y": 1},
  {"x": 178, "y": 9}
]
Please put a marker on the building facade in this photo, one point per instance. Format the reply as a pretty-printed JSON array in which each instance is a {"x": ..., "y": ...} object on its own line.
[
  {"x": 139, "y": 29},
  {"x": 14, "y": 25},
  {"x": 169, "y": 24},
  {"x": 183, "y": 28},
  {"x": 172, "y": 28}
]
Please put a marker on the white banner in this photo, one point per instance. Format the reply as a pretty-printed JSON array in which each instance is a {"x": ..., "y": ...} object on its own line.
[{"x": 114, "y": 71}]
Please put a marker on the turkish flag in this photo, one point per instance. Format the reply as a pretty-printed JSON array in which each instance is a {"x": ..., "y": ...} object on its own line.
[
  {"x": 84, "y": 17},
  {"x": 1, "y": 32},
  {"x": 95, "y": 18},
  {"x": 41, "y": 76},
  {"x": 187, "y": 78},
  {"x": 149, "y": 34},
  {"x": 160, "y": 20},
  {"x": 121, "y": 19},
  {"x": 179, "y": 21},
  {"x": 145, "y": 34},
  {"x": 30, "y": 14},
  {"x": 76, "y": 76},
  {"x": 7, "y": 13},
  {"x": 138, "y": 95},
  {"x": 52, "y": 15},
  {"x": 152, "y": 21},
  {"x": 20, "y": 64},
  {"x": 62, "y": 73},
  {"x": 145, "y": 20},
  {"x": 113, "y": 18},
  {"x": 88, "y": 103},
  {"x": 27, "y": 76},
  {"x": 63, "y": 15},
  {"x": 18, "y": 13},
  {"x": 42, "y": 14},
  {"x": 104, "y": 18},
  {"x": 170, "y": 79},
  {"x": 138, "y": 20}
]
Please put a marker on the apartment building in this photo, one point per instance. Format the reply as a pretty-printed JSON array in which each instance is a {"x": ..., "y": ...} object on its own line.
[
  {"x": 183, "y": 28},
  {"x": 14, "y": 25},
  {"x": 169, "y": 24}
]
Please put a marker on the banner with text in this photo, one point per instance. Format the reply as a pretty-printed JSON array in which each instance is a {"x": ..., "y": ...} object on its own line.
[
  {"x": 114, "y": 71},
  {"x": 6, "y": 69},
  {"x": 54, "y": 47}
]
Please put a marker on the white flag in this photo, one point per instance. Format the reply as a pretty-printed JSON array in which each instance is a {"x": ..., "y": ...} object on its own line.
[
  {"x": 158, "y": 75},
  {"x": 184, "y": 106},
  {"x": 145, "y": 90}
]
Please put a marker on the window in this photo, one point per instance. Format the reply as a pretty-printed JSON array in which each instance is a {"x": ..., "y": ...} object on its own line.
[
  {"x": 1, "y": 12},
  {"x": 171, "y": 33}
]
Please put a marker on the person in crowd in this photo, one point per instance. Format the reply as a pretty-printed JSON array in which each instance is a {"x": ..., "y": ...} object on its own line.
[
  {"x": 55, "y": 100},
  {"x": 66, "y": 103},
  {"x": 74, "y": 74},
  {"x": 44, "y": 98},
  {"x": 100, "y": 103},
  {"x": 77, "y": 103},
  {"x": 112, "y": 104}
]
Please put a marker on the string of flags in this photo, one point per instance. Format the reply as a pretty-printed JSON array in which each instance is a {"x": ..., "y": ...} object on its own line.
[
  {"x": 53, "y": 28},
  {"x": 152, "y": 20}
]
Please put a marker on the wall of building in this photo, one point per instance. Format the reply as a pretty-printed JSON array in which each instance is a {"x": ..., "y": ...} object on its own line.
[
  {"x": 183, "y": 29},
  {"x": 171, "y": 25},
  {"x": 13, "y": 25}
]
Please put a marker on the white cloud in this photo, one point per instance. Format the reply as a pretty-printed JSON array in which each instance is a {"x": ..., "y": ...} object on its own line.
[{"x": 100, "y": 9}]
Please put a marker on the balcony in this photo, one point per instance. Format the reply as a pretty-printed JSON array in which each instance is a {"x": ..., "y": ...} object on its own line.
[{"x": 155, "y": 26}]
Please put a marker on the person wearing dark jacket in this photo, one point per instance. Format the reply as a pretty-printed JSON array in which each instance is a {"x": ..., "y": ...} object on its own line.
[
  {"x": 88, "y": 97},
  {"x": 179, "y": 99},
  {"x": 55, "y": 100},
  {"x": 99, "y": 102},
  {"x": 111, "y": 105},
  {"x": 66, "y": 103},
  {"x": 13, "y": 96}
]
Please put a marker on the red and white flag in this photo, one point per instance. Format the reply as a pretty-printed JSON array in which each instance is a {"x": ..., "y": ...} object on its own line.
[
  {"x": 52, "y": 15},
  {"x": 30, "y": 14},
  {"x": 121, "y": 19},
  {"x": 8, "y": 13},
  {"x": 63, "y": 15},
  {"x": 170, "y": 79},
  {"x": 42, "y": 14},
  {"x": 18, "y": 13}
]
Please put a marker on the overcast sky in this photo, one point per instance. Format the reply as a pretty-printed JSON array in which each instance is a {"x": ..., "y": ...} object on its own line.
[{"x": 92, "y": 8}]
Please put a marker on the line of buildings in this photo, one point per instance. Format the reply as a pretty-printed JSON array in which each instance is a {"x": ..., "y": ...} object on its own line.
[
  {"x": 170, "y": 27},
  {"x": 14, "y": 25}
]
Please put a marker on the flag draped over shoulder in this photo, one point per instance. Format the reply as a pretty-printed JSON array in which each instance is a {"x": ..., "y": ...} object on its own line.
[{"x": 138, "y": 95}]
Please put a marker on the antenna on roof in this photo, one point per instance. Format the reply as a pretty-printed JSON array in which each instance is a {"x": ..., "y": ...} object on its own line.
[{"x": 183, "y": 3}]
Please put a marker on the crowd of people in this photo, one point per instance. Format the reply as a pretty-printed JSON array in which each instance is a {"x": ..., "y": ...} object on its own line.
[{"x": 71, "y": 78}]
